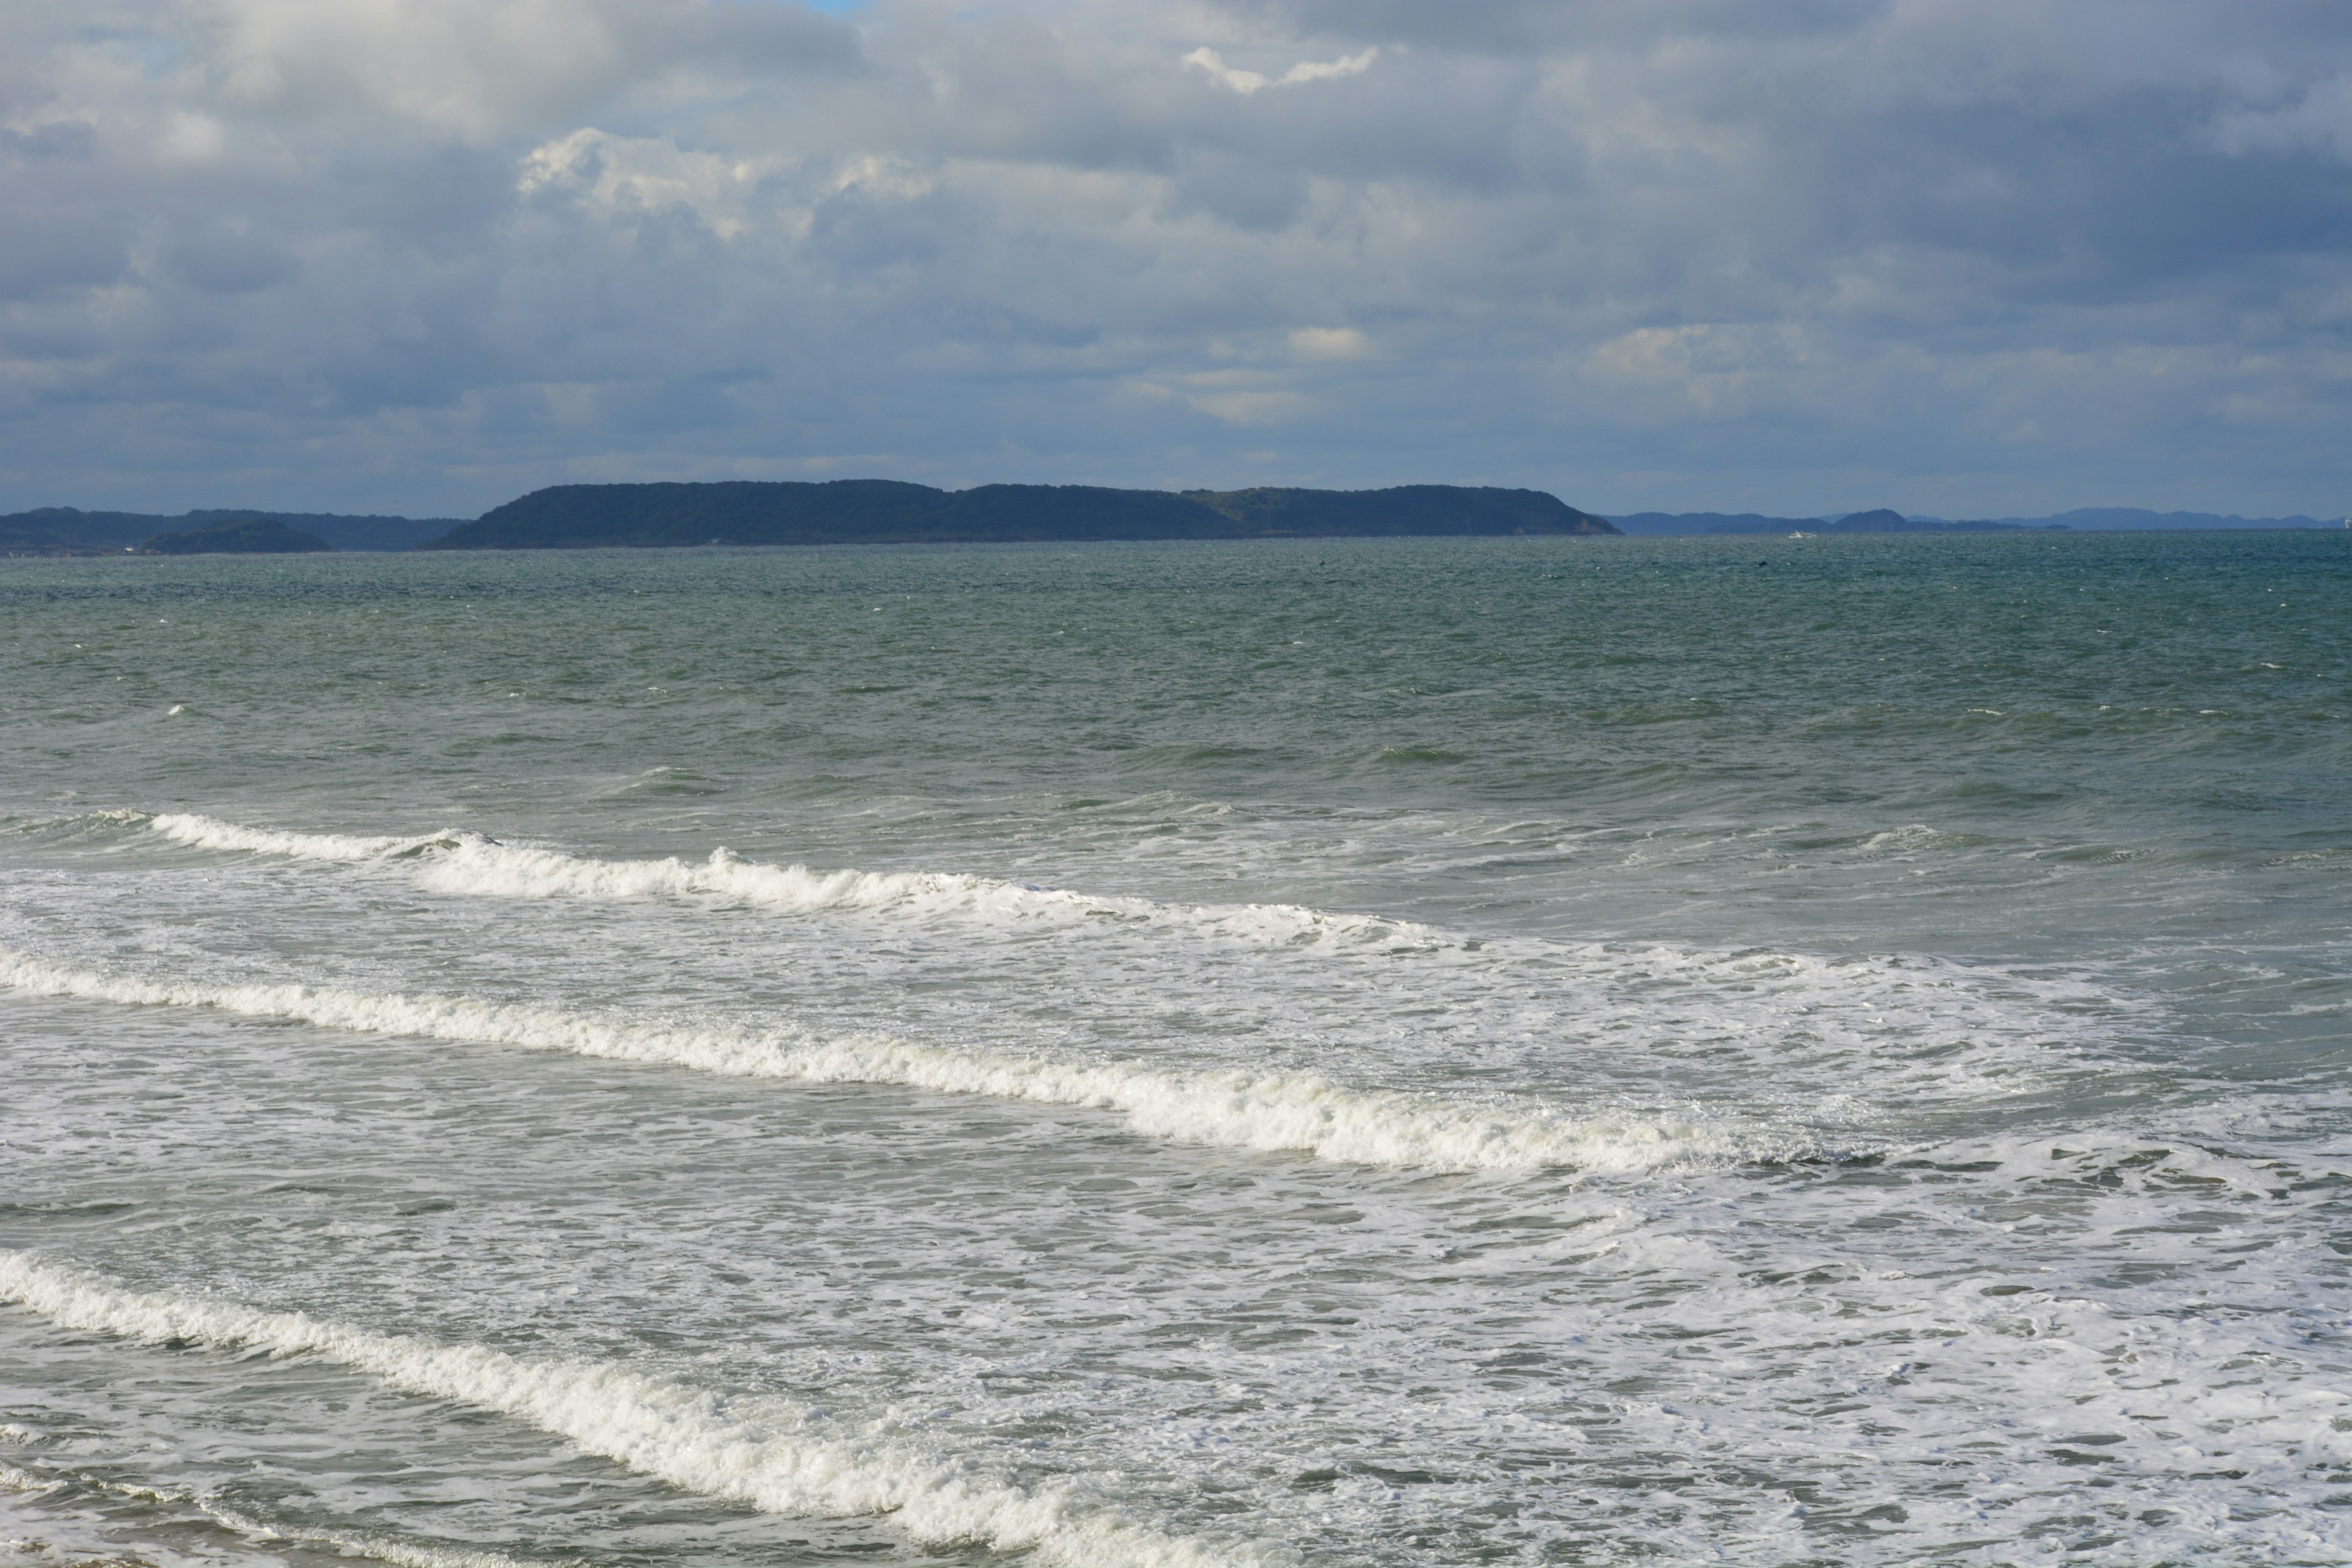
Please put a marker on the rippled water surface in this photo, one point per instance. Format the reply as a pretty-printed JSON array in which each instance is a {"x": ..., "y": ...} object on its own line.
[{"x": 1565, "y": 1051}]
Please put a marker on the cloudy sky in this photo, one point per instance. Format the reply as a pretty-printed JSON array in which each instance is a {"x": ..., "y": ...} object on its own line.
[{"x": 1958, "y": 257}]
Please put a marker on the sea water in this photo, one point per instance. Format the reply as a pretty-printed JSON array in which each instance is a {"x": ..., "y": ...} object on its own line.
[{"x": 1567, "y": 1051}]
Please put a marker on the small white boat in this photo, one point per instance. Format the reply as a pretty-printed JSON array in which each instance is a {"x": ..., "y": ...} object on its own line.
[{"x": 1801, "y": 536}]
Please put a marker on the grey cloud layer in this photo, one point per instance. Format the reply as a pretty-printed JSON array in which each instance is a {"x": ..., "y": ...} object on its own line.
[{"x": 1964, "y": 257}]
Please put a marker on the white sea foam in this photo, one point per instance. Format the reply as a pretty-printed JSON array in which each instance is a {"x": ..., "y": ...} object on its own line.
[
  {"x": 766, "y": 1453},
  {"x": 210, "y": 833},
  {"x": 1298, "y": 1112},
  {"x": 401, "y": 1553},
  {"x": 1921, "y": 1027},
  {"x": 459, "y": 862},
  {"x": 1920, "y": 999}
]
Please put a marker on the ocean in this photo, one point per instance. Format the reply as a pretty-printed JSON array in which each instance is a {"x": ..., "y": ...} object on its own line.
[{"x": 1752, "y": 1050}]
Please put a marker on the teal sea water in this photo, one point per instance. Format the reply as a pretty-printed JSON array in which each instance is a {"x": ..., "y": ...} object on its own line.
[{"x": 1421, "y": 1052}]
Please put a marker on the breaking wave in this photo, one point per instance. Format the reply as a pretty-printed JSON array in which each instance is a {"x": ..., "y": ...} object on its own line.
[
  {"x": 460, "y": 862},
  {"x": 1292, "y": 1113},
  {"x": 764, "y": 1453}
]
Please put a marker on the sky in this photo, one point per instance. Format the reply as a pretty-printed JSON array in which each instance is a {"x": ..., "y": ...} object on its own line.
[{"x": 1961, "y": 258}]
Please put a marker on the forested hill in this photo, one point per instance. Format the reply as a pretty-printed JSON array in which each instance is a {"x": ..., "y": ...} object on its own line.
[
  {"x": 887, "y": 511},
  {"x": 65, "y": 530}
]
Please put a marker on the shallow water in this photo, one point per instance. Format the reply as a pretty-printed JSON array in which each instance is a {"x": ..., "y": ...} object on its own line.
[{"x": 1372, "y": 1052}]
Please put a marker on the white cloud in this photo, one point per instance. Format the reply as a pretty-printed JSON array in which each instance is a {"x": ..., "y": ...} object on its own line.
[
  {"x": 422, "y": 255},
  {"x": 1329, "y": 343},
  {"x": 1248, "y": 81},
  {"x": 471, "y": 68},
  {"x": 191, "y": 138},
  {"x": 626, "y": 176}
]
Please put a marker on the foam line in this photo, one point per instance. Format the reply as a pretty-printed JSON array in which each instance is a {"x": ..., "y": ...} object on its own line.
[
  {"x": 1916, "y": 1000},
  {"x": 766, "y": 1454},
  {"x": 454, "y": 861},
  {"x": 1298, "y": 1112}
]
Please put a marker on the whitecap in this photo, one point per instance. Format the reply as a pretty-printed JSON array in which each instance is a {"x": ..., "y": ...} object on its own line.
[
  {"x": 1296, "y": 1112},
  {"x": 465, "y": 863},
  {"x": 766, "y": 1453},
  {"x": 209, "y": 832}
]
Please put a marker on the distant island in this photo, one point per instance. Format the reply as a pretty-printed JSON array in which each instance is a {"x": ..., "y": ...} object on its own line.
[
  {"x": 877, "y": 511},
  {"x": 888, "y": 511},
  {"x": 238, "y": 536},
  {"x": 67, "y": 530}
]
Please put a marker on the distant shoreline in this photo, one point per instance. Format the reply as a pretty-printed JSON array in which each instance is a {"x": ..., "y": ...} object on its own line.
[{"x": 883, "y": 512}]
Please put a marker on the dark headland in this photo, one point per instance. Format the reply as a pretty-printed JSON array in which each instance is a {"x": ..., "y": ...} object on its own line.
[
  {"x": 888, "y": 511},
  {"x": 879, "y": 512}
]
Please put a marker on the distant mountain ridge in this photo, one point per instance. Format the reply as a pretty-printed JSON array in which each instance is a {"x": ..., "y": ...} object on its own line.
[
  {"x": 67, "y": 530},
  {"x": 889, "y": 512},
  {"x": 2136, "y": 519},
  {"x": 885, "y": 510}
]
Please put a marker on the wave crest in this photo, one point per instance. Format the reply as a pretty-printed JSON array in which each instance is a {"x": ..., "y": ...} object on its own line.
[
  {"x": 1289, "y": 1113},
  {"x": 767, "y": 1454},
  {"x": 460, "y": 862}
]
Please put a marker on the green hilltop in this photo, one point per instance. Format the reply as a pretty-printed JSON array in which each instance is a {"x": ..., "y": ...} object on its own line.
[{"x": 888, "y": 511}]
